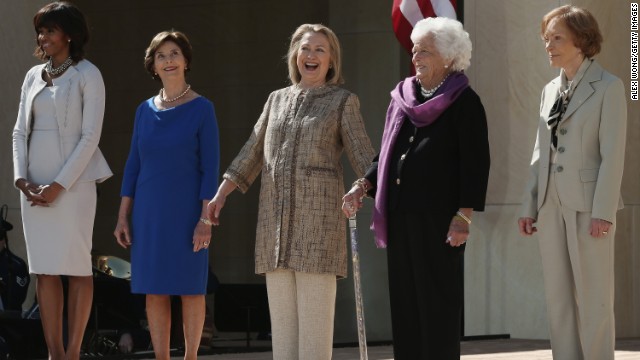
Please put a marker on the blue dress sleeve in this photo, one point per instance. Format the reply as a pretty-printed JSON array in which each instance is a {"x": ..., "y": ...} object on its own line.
[
  {"x": 132, "y": 167},
  {"x": 209, "y": 153}
]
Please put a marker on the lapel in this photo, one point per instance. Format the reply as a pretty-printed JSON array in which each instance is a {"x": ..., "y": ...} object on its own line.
[
  {"x": 60, "y": 91},
  {"x": 550, "y": 96},
  {"x": 584, "y": 90},
  {"x": 36, "y": 87}
]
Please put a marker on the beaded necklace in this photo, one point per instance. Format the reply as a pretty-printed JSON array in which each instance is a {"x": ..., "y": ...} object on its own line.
[
  {"x": 175, "y": 98},
  {"x": 427, "y": 93},
  {"x": 57, "y": 70}
]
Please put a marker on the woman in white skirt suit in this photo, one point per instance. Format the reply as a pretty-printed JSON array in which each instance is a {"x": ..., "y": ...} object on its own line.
[{"x": 56, "y": 166}]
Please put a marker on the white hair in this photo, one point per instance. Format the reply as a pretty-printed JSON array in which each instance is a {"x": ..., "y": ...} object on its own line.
[{"x": 451, "y": 40}]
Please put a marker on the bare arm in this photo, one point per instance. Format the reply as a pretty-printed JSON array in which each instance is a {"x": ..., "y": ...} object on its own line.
[
  {"x": 212, "y": 211},
  {"x": 459, "y": 227},
  {"x": 202, "y": 232},
  {"x": 122, "y": 232}
]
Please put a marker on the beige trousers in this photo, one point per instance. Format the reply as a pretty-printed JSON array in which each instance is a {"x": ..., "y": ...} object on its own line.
[
  {"x": 579, "y": 282},
  {"x": 302, "y": 308}
]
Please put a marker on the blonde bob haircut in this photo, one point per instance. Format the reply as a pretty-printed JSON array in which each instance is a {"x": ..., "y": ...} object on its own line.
[
  {"x": 449, "y": 37},
  {"x": 334, "y": 75},
  {"x": 582, "y": 25}
]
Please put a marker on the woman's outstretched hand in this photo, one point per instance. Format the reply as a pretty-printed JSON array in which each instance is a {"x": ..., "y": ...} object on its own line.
[
  {"x": 352, "y": 201},
  {"x": 215, "y": 206},
  {"x": 217, "y": 203}
]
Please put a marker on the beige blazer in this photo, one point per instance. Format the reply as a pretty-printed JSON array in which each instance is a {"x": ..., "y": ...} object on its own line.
[
  {"x": 79, "y": 98},
  {"x": 297, "y": 144},
  {"x": 591, "y": 146}
]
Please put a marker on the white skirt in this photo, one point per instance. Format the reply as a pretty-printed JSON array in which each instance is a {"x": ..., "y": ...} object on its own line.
[{"x": 58, "y": 237}]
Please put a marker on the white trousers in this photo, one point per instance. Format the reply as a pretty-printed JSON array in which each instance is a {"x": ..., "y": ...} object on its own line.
[
  {"x": 579, "y": 281},
  {"x": 302, "y": 308}
]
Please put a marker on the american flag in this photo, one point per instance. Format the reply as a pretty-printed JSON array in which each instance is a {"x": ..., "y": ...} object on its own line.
[{"x": 406, "y": 13}]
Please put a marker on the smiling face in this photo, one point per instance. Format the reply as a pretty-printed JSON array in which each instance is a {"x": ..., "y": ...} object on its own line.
[
  {"x": 560, "y": 47},
  {"x": 54, "y": 43},
  {"x": 313, "y": 59},
  {"x": 429, "y": 64},
  {"x": 169, "y": 61}
]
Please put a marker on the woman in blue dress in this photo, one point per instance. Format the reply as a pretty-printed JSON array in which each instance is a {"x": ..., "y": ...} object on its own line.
[{"x": 174, "y": 152}]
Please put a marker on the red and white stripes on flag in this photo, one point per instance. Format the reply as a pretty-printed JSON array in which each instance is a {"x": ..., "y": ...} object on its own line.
[{"x": 406, "y": 13}]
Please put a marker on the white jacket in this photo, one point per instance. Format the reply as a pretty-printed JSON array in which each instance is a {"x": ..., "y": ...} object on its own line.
[{"x": 79, "y": 98}]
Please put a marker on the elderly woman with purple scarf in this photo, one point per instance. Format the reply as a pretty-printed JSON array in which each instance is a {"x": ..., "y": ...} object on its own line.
[{"x": 429, "y": 177}]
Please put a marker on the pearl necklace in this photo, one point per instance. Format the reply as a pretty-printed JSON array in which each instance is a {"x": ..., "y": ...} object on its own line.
[
  {"x": 429, "y": 92},
  {"x": 175, "y": 98},
  {"x": 58, "y": 70}
]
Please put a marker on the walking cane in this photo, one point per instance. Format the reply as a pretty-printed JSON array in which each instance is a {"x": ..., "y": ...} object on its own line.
[{"x": 362, "y": 336}]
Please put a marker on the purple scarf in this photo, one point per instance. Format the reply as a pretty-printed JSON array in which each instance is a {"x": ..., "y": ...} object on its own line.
[{"x": 404, "y": 104}]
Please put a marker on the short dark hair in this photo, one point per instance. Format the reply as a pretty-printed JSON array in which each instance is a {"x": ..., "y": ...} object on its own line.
[
  {"x": 172, "y": 35},
  {"x": 582, "y": 25},
  {"x": 68, "y": 18}
]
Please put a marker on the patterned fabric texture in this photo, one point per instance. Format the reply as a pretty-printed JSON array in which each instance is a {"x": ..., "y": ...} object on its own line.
[
  {"x": 555, "y": 114},
  {"x": 297, "y": 144}
]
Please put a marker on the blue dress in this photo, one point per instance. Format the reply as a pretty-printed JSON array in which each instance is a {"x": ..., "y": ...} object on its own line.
[{"x": 172, "y": 167}]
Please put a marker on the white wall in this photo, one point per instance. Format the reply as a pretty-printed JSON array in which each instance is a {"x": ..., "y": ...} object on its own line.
[{"x": 504, "y": 288}]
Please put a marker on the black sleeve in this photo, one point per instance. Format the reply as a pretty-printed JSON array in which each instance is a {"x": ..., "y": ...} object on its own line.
[
  {"x": 474, "y": 152},
  {"x": 372, "y": 176}
]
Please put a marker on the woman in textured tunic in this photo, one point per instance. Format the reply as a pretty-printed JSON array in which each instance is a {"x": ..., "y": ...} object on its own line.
[
  {"x": 174, "y": 152},
  {"x": 57, "y": 164},
  {"x": 297, "y": 144},
  {"x": 430, "y": 175}
]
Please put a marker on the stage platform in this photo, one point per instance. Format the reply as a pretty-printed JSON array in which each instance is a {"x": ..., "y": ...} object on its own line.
[{"x": 501, "y": 349}]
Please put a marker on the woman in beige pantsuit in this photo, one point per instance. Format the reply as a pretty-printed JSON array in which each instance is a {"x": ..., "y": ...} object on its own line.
[
  {"x": 297, "y": 145},
  {"x": 573, "y": 192},
  {"x": 57, "y": 164}
]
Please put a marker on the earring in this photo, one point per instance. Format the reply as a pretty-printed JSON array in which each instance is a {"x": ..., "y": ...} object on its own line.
[
  {"x": 446, "y": 66},
  {"x": 68, "y": 40},
  {"x": 330, "y": 66}
]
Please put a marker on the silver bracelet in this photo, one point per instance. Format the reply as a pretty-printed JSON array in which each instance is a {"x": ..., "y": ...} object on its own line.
[
  {"x": 206, "y": 221},
  {"x": 464, "y": 217}
]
